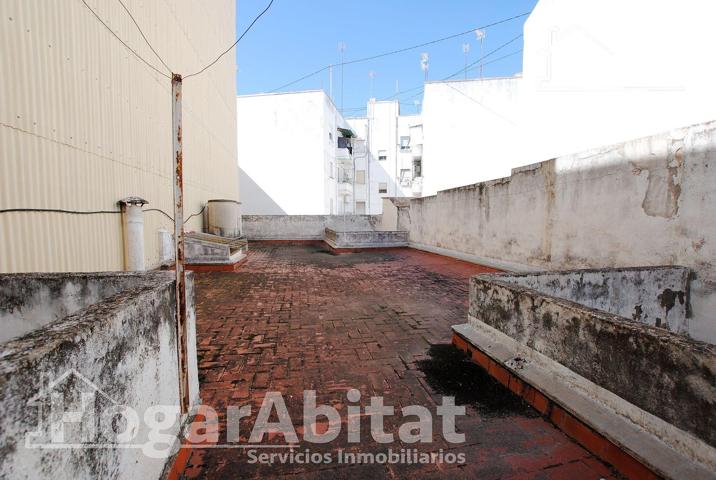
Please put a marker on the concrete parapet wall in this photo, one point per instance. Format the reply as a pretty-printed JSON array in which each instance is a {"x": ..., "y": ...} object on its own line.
[
  {"x": 372, "y": 239},
  {"x": 644, "y": 202},
  {"x": 120, "y": 349},
  {"x": 656, "y": 296},
  {"x": 28, "y": 302},
  {"x": 304, "y": 227},
  {"x": 665, "y": 374}
]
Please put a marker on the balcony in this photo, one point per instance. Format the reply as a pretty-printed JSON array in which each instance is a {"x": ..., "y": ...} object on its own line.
[{"x": 345, "y": 189}]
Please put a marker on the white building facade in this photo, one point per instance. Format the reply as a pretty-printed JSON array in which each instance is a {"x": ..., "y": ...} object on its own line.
[
  {"x": 296, "y": 155},
  {"x": 392, "y": 164},
  {"x": 594, "y": 74}
]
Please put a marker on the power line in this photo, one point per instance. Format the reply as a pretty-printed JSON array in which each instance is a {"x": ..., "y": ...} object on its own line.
[
  {"x": 123, "y": 42},
  {"x": 143, "y": 36},
  {"x": 234, "y": 44},
  {"x": 401, "y": 50},
  {"x": 462, "y": 70},
  {"x": 469, "y": 67}
]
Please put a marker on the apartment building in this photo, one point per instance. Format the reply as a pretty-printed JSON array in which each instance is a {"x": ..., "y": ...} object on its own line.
[
  {"x": 593, "y": 74},
  {"x": 296, "y": 155},
  {"x": 392, "y": 165}
]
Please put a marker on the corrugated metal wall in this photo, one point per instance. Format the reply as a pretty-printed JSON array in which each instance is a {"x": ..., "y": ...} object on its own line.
[{"x": 84, "y": 123}]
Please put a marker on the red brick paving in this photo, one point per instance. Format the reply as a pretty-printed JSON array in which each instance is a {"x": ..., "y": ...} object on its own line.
[{"x": 296, "y": 317}]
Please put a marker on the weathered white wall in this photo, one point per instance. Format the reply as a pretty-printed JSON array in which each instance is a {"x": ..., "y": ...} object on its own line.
[
  {"x": 84, "y": 123},
  {"x": 287, "y": 153},
  {"x": 643, "y": 202},
  {"x": 594, "y": 73},
  {"x": 304, "y": 227},
  {"x": 125, "y": 345}
]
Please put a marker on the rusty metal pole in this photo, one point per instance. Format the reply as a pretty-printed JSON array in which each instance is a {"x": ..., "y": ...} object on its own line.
[{"x": 179, "y": 245}]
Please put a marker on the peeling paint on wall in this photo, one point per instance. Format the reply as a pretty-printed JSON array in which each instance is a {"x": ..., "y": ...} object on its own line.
[{"x": 664, "y": 182}]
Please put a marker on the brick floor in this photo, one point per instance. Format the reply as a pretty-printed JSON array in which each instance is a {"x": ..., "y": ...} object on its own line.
[{"x": 295, "y": 317}]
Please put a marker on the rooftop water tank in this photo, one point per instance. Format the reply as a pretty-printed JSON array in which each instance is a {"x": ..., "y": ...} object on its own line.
[{"x": 223, "y": 218}]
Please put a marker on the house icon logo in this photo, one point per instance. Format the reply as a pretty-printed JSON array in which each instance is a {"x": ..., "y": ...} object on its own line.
[{"x": 73, "y": 412}]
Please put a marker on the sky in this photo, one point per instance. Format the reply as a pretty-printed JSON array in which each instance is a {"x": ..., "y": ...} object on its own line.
[{"x": 297, "y": 37}]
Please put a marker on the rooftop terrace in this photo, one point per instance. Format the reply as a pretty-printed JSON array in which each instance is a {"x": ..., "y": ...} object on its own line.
[{"x": 297, "y": 317}]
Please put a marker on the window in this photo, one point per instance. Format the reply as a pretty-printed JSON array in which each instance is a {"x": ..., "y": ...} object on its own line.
[
  {"x": 404, "y": 144},
  {"x": 382, "y": 155},
  {"x": 382, "y": 187},
  {"x": 405, "y": 177},
  {"x": 360, "y": 208},
  {"x": 344, "y": 142},
  {"x": 360, "y": 177},
  {"x": 417, "y": 168},
  {"x": 330, "y": 137}
]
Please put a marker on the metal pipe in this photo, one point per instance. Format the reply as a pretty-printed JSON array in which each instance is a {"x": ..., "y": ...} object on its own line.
[{"x": 182, "y": 336}]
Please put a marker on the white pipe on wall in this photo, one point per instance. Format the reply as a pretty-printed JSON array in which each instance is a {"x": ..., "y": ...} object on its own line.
[
  {"x": 166, "y": 246},
  {"x": 133, "y": 232}
]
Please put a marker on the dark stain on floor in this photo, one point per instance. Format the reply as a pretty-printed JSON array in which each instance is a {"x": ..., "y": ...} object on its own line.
[{"x": 450, "y": 371}]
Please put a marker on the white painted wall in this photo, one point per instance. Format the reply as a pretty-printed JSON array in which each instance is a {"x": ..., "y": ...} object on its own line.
[
  {"x": 595, "y": 73},
  {"x": 286, "y": 146},
  {"x": 471, "y": 131},
  {"x": 645, "y": 202}
]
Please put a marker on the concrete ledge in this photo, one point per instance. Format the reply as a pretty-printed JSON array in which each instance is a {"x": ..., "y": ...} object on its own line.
[
  {"x": 468, "y": 257},
  {"x": 303, "y": 227},
  {"x": 338, "y": 239},
  {"x": 236, "y": 260},
  {"x": 112, "y": 336},
  {"x": 662, "y": 372},
  {"x": 610, "y": 427}
]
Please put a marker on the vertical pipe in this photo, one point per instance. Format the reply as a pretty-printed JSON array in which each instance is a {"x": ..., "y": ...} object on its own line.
[
  {"x": 179, "y": 244},
  {"x": 133, "y": 227}
]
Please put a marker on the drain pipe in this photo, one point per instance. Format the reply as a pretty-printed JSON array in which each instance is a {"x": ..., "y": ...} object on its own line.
[{"x": 133, "y": 229}]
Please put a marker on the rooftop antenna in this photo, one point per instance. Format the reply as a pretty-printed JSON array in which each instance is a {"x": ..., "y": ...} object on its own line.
[
  {"x": 424, "y": 64},
  {"x": 465, "y": 51},
  {"x": 371, "y": 75},
  {"x": 480, "y": 34},
  {"x": 341, "y": 50}
]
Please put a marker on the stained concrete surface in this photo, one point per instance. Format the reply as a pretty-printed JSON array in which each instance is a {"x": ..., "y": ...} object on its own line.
[
  {"x": 666, "y": 374},
  {"x": 116, "y": 343},
  {"x": 296, "y": 317}
]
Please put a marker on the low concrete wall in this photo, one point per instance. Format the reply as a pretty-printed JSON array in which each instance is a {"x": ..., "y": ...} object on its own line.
[
  {"x": 304, "y": 227},
  {"x": 396, "y": 214},
  {"x": 644, "y": 202},
  {"x": 372, "y": 239},
  {"x": 28, "y": 302},
  {"x": 656, "y": 296},
  {"x": 665, "y": 374},
  {"x": 119, "y": 350}
]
